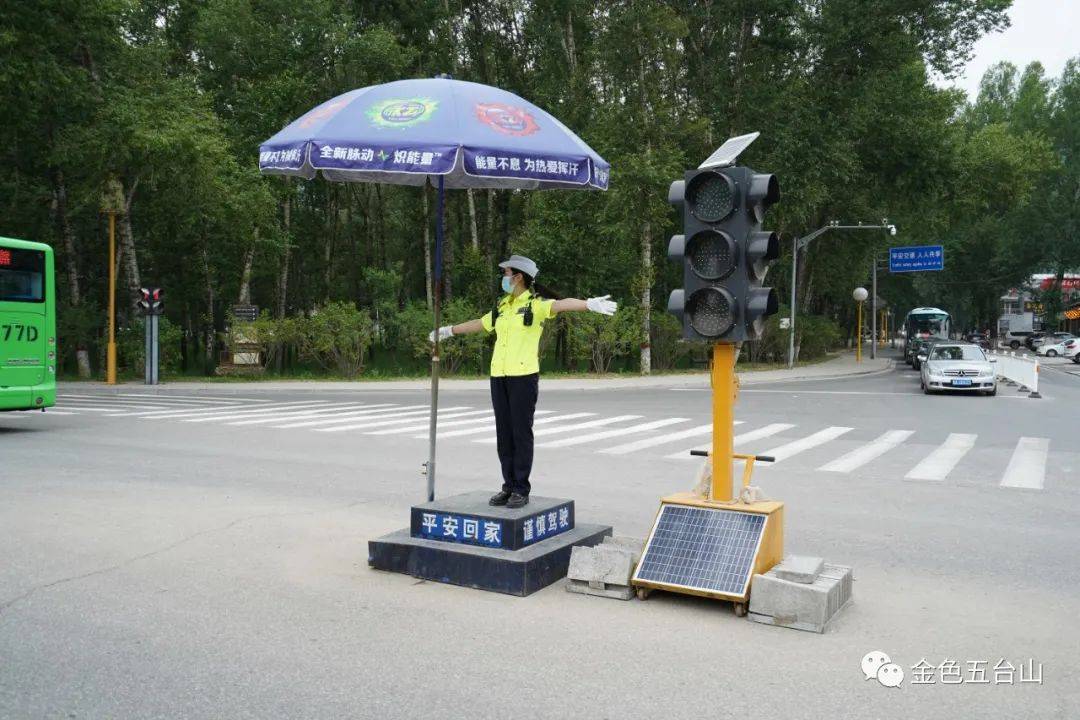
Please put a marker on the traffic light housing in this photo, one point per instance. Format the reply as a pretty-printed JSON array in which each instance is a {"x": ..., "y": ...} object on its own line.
[
  {"x": 151, "y": 301},
  {"x": 724, "y": 252}
]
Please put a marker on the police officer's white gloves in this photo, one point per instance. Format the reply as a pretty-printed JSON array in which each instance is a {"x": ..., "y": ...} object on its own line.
[
  {"x": 602, "y": 305},
  {"x": 445, "y": 332}
]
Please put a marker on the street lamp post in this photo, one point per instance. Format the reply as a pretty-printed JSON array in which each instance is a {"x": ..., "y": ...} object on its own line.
[
  {"x": 799, "y": 244},
  {"x": 860, "y": 296}
]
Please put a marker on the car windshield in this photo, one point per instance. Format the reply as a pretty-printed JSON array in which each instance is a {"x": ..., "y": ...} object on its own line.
[{"x": 957, "y": 352}]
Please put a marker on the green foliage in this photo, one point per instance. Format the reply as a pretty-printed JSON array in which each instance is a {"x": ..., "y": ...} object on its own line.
[
  {"x": 171, "y": 100},
  {"x": 668, "y": 347},
  {"x": 131, "y": 348},
  {"x": 337, "y": 336},
  {"x": 600, "y": 339}
]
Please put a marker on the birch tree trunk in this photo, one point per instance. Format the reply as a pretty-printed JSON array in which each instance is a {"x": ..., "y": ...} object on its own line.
[
  {"x": 244, "y": 297},
  {"x": 646, "y": 297},
  {"x": 209, "y": 344},
  {"x": 472, "y": 220},
  {"x": 127, "y": 246},
  {"x": 82, "y": 355}
]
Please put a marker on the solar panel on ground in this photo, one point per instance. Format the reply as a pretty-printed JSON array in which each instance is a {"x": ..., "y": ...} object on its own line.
[{"x": 706, "y": 549}]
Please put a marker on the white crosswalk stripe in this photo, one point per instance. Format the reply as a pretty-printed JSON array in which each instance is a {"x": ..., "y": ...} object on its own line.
[
  {"x": 180, "y": 413},
  {"x": 490, "y": 428},
  {"x": 217, "y": 416},
  {"x": 605, "y": 434},
  {"x": 783, "y": 452},
  {"x": 381, "y": 422},
  {"x": 762, "y": 432},
  {"x": 871, "y": 450},
  {"x": 1027, "y": 466},
  {"x": 306, "y": 414},
  {"x": 571, "y": 428},
  {"x": 938, "y": 464},
  {"x": 392, "y": 411},
  {"x": 488, "y": 419},
  {"x": 649, "y": 442}
]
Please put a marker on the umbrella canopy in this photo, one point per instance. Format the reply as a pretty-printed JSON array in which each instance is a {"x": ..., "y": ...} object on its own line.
[{"x": 405, "y": 132}]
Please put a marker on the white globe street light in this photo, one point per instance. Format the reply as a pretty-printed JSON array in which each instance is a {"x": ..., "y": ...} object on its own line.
[{"x": 860, "y": 295}]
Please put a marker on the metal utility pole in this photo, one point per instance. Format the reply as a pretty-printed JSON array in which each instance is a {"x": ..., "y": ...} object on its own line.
[
  {"x": 801, "y": 243},
  {"x": 873, "y": 311}
]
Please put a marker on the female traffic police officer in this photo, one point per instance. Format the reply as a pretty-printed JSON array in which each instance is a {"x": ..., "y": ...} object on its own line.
[{"x": 518, "y": 320}]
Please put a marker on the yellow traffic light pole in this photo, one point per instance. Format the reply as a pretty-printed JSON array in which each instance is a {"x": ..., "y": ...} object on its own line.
[{"x": 724, "y": 387}]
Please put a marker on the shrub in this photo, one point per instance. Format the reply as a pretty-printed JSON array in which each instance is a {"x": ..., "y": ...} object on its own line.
[
  {"x": 600, "y": 339},
  {"x": 336, "y": 336},
  {"x": 414, "y": 323},
  {"x": 666, "y": 339},
  {"x": 131, "y": 347}
]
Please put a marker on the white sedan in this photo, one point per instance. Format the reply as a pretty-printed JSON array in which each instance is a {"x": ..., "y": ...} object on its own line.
[
  {"x": 958, "y": 367},
  {"x": 1065, "y": 348}
]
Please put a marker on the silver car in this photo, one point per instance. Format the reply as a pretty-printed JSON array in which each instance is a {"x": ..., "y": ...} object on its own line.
[{"x": 957, "y": 366}]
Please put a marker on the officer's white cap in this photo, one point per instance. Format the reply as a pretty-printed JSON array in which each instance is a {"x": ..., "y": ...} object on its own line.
[{"x": 522, "y": 264}]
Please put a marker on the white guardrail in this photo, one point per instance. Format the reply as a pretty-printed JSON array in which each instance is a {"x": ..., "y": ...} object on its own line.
[{"x": 1020, "y": 369}]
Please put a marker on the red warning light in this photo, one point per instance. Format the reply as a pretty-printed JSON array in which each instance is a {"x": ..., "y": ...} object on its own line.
[{"x": 5, "y": 257}]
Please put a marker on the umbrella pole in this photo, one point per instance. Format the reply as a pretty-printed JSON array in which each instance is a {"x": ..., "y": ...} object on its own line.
[{"x": 435, "y": 355}]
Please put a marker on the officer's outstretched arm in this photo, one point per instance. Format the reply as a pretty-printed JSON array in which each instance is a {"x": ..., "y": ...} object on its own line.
[
  {"x": 447, "y": 331},
  {"x": 603, "y": 305}
]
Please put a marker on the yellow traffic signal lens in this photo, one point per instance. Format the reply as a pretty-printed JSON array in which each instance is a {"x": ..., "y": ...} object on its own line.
[{"x": 711, "y": 254}]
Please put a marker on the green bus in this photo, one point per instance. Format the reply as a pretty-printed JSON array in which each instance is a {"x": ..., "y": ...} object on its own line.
[{"x": 27, "y": 326}]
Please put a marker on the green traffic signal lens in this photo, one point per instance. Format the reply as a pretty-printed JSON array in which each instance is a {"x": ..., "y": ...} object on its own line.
[
  {"x": 711, "y": 254},
  {"x": 711, "y": 197},
  {"x": 711, "y": 312}
]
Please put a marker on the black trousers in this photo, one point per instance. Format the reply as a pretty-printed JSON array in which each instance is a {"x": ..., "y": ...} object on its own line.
[{"x": 514, "y": 402}]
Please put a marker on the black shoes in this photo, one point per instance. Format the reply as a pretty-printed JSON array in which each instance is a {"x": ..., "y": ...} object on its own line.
[{"x": 510, "y": 500}]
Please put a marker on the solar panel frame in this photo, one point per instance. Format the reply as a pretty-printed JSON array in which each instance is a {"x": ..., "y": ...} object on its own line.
[{"x": 696, "y": 569}]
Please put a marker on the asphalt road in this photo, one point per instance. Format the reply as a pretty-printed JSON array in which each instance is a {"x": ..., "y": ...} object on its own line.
[{"x": 184, "y": 554}]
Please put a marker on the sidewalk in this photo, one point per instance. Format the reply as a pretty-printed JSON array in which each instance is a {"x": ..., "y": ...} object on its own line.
[{"x": 843, "y": 365}]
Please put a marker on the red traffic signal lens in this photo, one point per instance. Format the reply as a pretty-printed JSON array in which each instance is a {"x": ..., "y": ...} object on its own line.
[
  {"x": 711, "y": 197},
  {"x": 711, "y": 312}
]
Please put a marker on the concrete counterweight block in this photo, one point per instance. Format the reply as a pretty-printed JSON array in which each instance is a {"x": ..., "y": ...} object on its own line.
[
  {"x": 604, "y": 570},
  {"x": 800, "y": 605}
]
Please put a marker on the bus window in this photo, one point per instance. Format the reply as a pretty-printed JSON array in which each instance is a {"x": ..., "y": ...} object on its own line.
[{"x": 22, "y": 275}]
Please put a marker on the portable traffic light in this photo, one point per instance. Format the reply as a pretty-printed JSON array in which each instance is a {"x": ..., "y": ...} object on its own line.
[
  {"x": 724, "y": 252},
  {"x": 151, "y": 301}
]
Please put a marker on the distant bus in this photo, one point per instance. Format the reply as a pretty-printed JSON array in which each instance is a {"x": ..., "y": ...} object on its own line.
[
  {"x": 922, "y": 323},
  {"x": 27, "y": 325}
]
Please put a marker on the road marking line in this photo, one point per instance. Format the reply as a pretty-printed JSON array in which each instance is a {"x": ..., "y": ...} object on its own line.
[
  {"x": 871, "y": 450},
  {"x": 938, "y": 464},
  {"x": 761, "y": 432},
  {"x": 1027, "y": 467},
  {"x": 570, "y": 428},
  {"x": 217, "y": 416},
  {"x": 381, "y": 422},
  {"x": 491, "y": 428},
  {"x": 398, "y": 411},
  {"x": 184, "y": 412},
  {"x": 783, "y": 452},
  {"x": 188, "y": 398},
  {"x": 305, "y": 414},
  {"x": 474, "y": 421},
  {"x": 604, "y": 434},
  {"x": 658, "y": 440},
  {"x": 113, "y": 410}
]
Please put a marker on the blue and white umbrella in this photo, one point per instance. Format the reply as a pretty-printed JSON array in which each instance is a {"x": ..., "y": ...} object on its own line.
[{"x": 453, "y": 133}]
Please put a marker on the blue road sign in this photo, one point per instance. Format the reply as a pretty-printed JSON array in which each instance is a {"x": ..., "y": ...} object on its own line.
[{"x": 916, "y": 259}]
